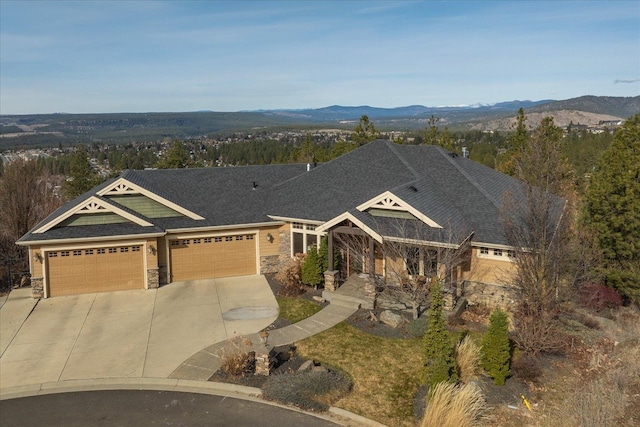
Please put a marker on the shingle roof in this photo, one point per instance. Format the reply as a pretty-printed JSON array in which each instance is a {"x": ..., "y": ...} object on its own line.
[{"x": 455, "y": 192}]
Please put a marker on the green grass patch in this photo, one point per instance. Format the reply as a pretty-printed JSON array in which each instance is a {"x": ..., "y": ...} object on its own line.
[
  {"x": 296, "y": 309},
  {"x": 386, "y": 372}
]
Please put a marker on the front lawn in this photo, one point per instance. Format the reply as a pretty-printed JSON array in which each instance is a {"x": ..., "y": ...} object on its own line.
[
  {"x": 296, "y": 309},
  {"x": 386, "y": 372}
]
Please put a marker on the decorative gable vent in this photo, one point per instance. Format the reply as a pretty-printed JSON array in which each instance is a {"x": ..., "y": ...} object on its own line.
[
  {"x": 121, "y": 188},
  {"x": 390, "y": 202},
  {"x": 93, "y": 207}
]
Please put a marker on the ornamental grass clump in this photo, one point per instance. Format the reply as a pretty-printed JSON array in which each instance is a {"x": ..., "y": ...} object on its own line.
[
  {"x": 236, "y": 359},
  {"x": 450, "y": 405},
  {"x": 467, "y": 355},
  {"x": 496, "y": 348}
]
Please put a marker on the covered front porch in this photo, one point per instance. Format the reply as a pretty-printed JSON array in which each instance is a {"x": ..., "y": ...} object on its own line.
[{"x": 391, "y": 271}]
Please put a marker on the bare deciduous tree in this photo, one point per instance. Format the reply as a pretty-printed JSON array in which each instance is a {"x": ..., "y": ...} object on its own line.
[
  {"x": 26, "y": 197},
  {"x": 536, "y": 226}
]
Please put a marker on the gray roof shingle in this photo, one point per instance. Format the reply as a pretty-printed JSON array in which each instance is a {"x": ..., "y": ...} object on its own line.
[{"x": 462, "y": 196}]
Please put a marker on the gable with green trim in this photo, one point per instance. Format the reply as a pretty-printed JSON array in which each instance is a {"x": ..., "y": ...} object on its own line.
[{"x": 144, "y": 205}]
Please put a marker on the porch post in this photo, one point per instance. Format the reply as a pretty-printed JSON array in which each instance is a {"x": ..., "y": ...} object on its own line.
[
  {"x": 372, "y": 259},
  {"x": 331, "y": 275},
  {"x": 330, "y": 250}
]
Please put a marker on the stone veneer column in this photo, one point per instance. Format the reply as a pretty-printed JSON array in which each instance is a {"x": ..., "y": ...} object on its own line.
[
  {"x": 265, "y": 361},
  {"x": 153, "y": 278},
  {"x": 331, "y": 280},
  {"x": 37, "y": 287}
]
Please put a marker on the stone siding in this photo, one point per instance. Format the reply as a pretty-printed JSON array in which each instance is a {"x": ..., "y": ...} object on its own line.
[
  {"x": 270, "y": 264},
  {"x": 488, "y": 294},
  {"x": 37, "y": 287},
  {"x": 153, "y": 278}
]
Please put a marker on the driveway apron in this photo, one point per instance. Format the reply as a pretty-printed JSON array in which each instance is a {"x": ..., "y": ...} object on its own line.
[{"x": 126, "y": 334}]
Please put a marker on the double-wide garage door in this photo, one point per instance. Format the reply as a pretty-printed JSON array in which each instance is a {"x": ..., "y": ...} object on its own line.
[
  {"x": 95, "y": 270},
  {"x": 211, "y": 257}
]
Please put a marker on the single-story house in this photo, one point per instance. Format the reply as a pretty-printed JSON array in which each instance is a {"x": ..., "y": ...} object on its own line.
[{"x": 147, "y": 228}]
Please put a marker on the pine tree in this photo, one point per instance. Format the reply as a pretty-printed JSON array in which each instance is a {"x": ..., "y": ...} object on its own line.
[
  {"x": 176, "y": 157},
  {"x": 82, "y": 177},
  {"x": 496, "y": 349},
  {"x": 437, "y": 343},
  {"x": 311, "y": 268},
  {"x": 613, "y": 208}
]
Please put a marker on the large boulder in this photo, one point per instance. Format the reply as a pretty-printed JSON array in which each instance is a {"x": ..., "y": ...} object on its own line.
[{"x": 390, "y": 318}]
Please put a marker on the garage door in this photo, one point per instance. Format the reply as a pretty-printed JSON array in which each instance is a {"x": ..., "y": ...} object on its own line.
[
  {"x": 210, "y": 257},
  {"x": 95, "y": 270}
]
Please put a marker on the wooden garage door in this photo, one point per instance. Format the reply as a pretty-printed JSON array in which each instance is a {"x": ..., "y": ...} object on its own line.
[
  {"x": 211, "y": 257},
  {"x": 95, "y": 270}
]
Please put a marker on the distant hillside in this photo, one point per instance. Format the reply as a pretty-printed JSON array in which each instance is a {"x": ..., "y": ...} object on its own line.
[
  {"x": 622, "y": 107},
  {"x": 586, "y": 110},
  {"x": 343, "y": 113},
  {"x": 54, "y": 129}
]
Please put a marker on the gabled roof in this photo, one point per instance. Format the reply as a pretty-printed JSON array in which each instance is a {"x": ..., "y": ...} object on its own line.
[{"x": 449, "y": 194}]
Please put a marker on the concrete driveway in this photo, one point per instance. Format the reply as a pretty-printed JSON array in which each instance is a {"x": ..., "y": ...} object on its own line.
[{"x": 140, "y": 333}]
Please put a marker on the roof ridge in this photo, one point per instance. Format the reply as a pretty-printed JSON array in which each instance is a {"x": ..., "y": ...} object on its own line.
[
  {"x": 404, "y": 161},
  {"x": 464, "y": 173}
]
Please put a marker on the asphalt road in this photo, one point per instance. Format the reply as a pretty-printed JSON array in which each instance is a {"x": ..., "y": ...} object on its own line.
[{"x": 146, "y": 408}]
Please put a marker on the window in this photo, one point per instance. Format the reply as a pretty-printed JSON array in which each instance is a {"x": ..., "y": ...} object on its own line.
[
  {"x": 113, "y": 250},
  {"x": 53, "y": 254},
  {"x": 298, "y": 243},
  {"x": 207, "y": 239},
  {"x": 196, "y": 241},
  {"x": 511, "y": 253},
  {"x": 124, "y": 250},
  {"x": 249, "y": 236},
  {"x": 217, "y": 239},
  {"x": 228, "y": 238},
  {"x": 100, "y": 251},
  {"x": 297, "y": 225},
  {"x": 497, "y": 252},
  {"x": 88, "y": 252},
  {"x": 484, "y": 251},
  {"x": 64, "y": 253},
  {"x": 77, "y": 253},
  {"x": 238, "y": 237},
  {"x": 186, "y": 242},
  {"x": 312, "y": 240},
  {"x": 175, "y": 242},
  {"x": 135, "y": 249},
  {"x": 310, "y": 227}
]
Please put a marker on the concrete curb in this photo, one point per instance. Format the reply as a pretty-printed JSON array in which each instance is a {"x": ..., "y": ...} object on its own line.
[{"x": 335, "y": 415}]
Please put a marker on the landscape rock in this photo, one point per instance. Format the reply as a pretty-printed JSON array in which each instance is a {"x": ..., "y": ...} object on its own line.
[
  {"x": 390, "y": 318},
  {"x": 306, "y": 366},
  {"x": 318, "y": 298}
]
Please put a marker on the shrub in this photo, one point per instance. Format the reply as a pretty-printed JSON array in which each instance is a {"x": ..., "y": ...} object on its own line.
[
  {"x": 309, "y": 390},
  {"x": 237, "y": 360},
  {"x": 450, "y": 405},
  {"x": 496, "y": 348},
  {"x": 310, "y": 273},
  {"x": 467, "y": 355},
  {"x": 600, "y": 297},
  {"x": 437, "y": 343},
  {"x": 290, "y": 276}
]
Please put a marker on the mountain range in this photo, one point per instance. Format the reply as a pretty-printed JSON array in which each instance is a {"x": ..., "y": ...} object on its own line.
[{"x": 49, "y": 129}]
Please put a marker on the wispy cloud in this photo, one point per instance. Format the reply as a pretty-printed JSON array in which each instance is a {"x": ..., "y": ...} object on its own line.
[{"x": 626, "y": 80}]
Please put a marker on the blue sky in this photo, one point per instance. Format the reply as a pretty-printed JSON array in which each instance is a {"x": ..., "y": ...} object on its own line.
[{"x": 126, "y": 56}]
